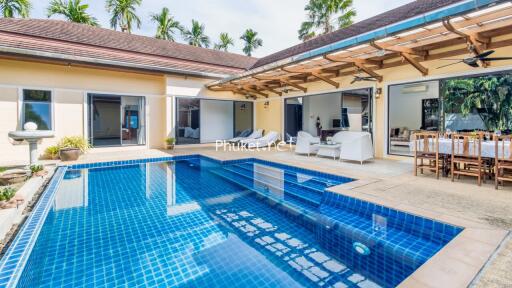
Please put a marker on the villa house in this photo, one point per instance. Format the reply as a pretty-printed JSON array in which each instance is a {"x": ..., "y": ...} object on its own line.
[{"x": 125, "y": 91}]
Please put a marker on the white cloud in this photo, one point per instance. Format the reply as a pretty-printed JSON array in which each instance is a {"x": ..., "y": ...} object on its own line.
[{"x": 276, "y": 21}]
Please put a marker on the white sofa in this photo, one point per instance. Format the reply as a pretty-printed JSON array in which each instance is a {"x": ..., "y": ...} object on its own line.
[
  {"x": 355, "y": 146},
  {"x": 305, "y": 143}
]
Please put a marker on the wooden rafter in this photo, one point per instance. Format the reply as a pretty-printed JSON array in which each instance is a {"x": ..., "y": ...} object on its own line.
[
  {"x": 478, "y": 43},
  {"x": 335, "y": 58},
  {"x": 325, "y": 79},
  {"x": 249, "y": 89},
  {"x": 287, "y": 82},
  {"x": 368, "y": 71},
  {"x": 315, "y": 72},
  {"x": 284, "y": 81},
  {"x": 405, "y": 55},
  {"x": 268, "y": 88}
]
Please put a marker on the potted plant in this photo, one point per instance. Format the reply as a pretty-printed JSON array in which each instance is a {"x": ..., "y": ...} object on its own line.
[
  {"x": 71, "y": 147},
  {"x": 169, "y": 143},
  {"x": 6, "y": 195},
  {"x": 51, "y": 152},
  {"x": 37, "y": 170}
]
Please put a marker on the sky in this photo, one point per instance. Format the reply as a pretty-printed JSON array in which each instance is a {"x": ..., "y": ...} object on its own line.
[{"x": 276, "y": 21}]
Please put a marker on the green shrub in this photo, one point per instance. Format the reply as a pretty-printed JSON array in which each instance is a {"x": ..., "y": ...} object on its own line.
[
  {"x": 170, "y": 141},
  {"x": 74, "y": 142},
  {"x": 36, "y": 168},
  {"x": 52, "y": 152},
  {"x": 7, "y": 193}
]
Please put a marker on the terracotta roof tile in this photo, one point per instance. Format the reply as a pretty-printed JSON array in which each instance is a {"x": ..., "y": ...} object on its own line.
[{"x": 56, "y": 36}]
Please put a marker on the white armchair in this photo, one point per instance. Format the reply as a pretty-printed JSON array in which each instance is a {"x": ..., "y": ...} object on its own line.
[
  {"x": 305, "y": 143},
  {"x": 355, "y": 146}
]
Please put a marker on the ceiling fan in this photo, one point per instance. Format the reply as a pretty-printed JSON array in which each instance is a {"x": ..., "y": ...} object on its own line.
[
  {"x": 362, "y": 78},
  {"x": 473, "y": 61}
]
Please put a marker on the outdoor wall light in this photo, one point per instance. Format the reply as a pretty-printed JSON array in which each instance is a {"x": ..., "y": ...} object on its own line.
[
  {"x": 378, "y": 93},
  {"x": 266, "y": 104}
]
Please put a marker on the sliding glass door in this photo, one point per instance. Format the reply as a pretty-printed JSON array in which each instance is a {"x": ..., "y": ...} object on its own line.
[
  {"x": 116, "y": 120},
  {"x": 356, "y": 111},
  {"x": 326, "y": 114},
  {"x": 188, "y": 121}
]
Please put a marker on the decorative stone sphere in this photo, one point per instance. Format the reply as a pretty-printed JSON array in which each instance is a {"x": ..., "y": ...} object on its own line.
[{"x": 30, "y": 126}]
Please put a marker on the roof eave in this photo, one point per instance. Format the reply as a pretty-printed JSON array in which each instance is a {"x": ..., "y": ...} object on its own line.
[
  {"x": 383, "y": 32},
  {"x": 103, "y": 62}
]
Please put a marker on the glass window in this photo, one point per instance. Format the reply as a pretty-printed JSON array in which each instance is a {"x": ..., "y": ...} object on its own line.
[
  {"x": 37, "y": 108},
  {"x": 412, "y": 107},
  {"x": 478, "y": 103}
]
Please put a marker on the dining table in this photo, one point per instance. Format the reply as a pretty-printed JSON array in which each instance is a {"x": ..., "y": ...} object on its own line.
[
  {"x": 488, "y": 147},
  {"x": 445, "y": 149}
]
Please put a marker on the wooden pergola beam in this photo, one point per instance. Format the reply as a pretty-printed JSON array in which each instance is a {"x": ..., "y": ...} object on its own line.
[
  {"x": 399, "y": 49},
  {"x": 268, "y": 88},
  {"x": 325, "y": 79},
  {"x": 284, "y": 81},
  {"x": 315, "y": 73},
  {"x": 289, "y": 83},
  {"x": 249, "y": 89},
  {"x": 335, "y": 58},
  {"x": 405, "y": 55},
  {"x": 477, "y": 44}
]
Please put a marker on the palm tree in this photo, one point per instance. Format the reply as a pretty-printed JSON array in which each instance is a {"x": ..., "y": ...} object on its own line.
[
  {"x": 251, "y": 40},
  {"x": 166, "y": 25},
  {"x": 72, "y": 10},
  {"x": 9, "y": 8},
  {"x": 224, "y": 42},
  {"x": 123, "y": 14},
  {"x": 195, "y": 36},
  {"x": 320, "y": 14}
]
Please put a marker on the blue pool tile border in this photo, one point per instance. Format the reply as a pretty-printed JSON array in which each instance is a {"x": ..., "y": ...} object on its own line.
[
  {"x": 14, "y": 260},
  {"x": 224, "y": 162},
  {"x": 130, "y": 162}
]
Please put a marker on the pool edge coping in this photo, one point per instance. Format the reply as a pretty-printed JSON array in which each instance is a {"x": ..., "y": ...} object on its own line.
[{"x": 27, "y": 236}]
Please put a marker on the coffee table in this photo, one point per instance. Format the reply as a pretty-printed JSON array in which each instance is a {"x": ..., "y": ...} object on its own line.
[{"x": 328, "y": 150}]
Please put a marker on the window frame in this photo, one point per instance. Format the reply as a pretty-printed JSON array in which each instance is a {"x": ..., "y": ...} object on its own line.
[{"x": 21, "y": 106}]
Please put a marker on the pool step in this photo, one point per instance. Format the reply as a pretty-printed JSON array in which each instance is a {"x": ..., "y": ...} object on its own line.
[
  {"x": 302, "y": 206},
  {"x": 289, "y": 189},
  {"x": 312, "y": 181}
]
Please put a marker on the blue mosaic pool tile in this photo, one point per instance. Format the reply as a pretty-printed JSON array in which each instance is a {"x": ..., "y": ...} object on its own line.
[{"x": 201, "y": 222}]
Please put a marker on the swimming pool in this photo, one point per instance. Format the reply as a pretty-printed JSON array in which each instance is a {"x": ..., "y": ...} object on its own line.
[{"x": 197, "y": 222}]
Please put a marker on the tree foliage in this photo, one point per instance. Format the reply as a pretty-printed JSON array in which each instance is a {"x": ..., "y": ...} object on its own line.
[
  {"x": 251, "y": 41},
  {"x": 224, "y": 42},
  {"x": 11, "y": 8},
  {"x": 489, "y": 96},
  {"x": 196, "y": 36},
  {"x": 166, "y": 25},
  {"x": 322, "y": 13},
  {"x": 72, "y": 10},
  {"x": 123, "y": 14}
]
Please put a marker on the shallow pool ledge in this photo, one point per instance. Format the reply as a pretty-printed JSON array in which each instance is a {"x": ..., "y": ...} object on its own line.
[{"x": 460, "y": 261}]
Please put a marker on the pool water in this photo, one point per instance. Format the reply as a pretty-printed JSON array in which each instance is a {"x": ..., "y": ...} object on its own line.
[{"x": 201, "y": 223}]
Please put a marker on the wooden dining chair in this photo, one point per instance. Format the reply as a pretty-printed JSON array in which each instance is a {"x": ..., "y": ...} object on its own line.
[
  {"x": 502, "y": 161},
  {"x": 467, "y": 157},
  {"x": 426, "y": 151}
]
